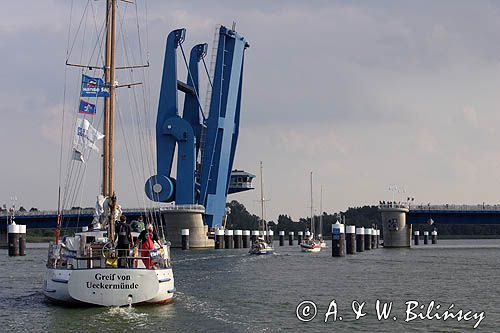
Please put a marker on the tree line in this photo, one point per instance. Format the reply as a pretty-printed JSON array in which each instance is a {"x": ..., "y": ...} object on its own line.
[
  {"x": 365, "y": 216},
  {"x": 240, "y": 218}
]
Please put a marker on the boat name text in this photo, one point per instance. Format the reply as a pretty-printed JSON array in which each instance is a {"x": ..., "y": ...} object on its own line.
[
  {"x": 111, "y": 277},
  {"x": 121, "y": 282}
]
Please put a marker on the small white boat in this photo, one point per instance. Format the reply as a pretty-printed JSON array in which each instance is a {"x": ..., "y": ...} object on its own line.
[
  {"x": 262, "y": 244},
  {"x": 86, "y": 273},
  {"x": 310, "y": 245},
  {"x": 320, "y": 236},
  {"x": 261, "y": 247}
]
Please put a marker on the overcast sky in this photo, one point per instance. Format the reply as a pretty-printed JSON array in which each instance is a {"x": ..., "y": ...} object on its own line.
[{"x": 363, "y": 93}]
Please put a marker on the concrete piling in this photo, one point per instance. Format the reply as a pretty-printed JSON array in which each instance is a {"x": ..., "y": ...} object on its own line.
[
  {"x": 282, "y": 238},
  {"x": 22, "y": 239},
  {"x": 434, "y": 235},
  {"x": 368, "y": 239},
  {"x": 228, "y": 239},
  {"x": 374, "y": 239},
  {"x": 255, "y": 235},
  {"x": 246, "y": 239},
  {"x": 299, "y": 237},
  {"x": 238, "y": 239},
  {"x": 13, "y": 233},
  {"x": 360, "y": 239},
  {"x": 338, "y": 240},
  {"x": 290, "y": 237},
  {"x": 416, "y": 237},
  {"x": 185, "y": 239},
  {"x": 426, "y": 237},
  {"x": 219, "y": 239},
  {"x": 350, "y": 239},
  {"x": 270, "y": 236}
]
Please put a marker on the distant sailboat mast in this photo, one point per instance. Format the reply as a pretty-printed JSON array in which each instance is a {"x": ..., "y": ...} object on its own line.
[
  {"x": 321, "y": 210},
  {"x": 262, "y": 199},
  {"x": 312, "y": 208}
]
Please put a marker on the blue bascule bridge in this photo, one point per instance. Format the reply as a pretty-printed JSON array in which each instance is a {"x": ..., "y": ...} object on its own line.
[{"x": 201, "y": 139}]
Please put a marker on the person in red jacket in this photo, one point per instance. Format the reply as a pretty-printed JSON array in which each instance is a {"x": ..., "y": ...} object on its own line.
[{"x": 147, "y": 238}]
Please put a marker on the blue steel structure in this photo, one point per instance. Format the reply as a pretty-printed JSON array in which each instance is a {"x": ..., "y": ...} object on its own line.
[{"x": 209, "y": 140}]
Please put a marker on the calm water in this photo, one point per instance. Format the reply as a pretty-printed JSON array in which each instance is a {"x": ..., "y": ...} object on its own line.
[{"x": 230, "y": 291}]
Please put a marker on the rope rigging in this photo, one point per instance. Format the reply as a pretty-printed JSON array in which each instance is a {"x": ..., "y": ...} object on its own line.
[{"x": 135, "y": 139}]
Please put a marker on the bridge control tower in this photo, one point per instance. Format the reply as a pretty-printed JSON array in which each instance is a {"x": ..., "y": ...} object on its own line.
[{"x": 395, "y": 230}]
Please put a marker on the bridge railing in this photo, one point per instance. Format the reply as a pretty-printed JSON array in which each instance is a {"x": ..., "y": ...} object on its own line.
[
  {"x": 448, "y": 207},
  {"x": 394, "y": 205},
  {"x": 182, "y": 207},
  {"x": 49, "y": 212},
  {"x": 80, "y": 211}
]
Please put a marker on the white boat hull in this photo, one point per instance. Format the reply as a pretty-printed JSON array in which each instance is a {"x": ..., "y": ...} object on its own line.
[
  {"x": 313, "y": 249},
  {"x": 310, "y": 248},
  {"x": 109, "y": 286},
  {"x": 262, "y": 251},
  {"x": 261, "y": 247}
]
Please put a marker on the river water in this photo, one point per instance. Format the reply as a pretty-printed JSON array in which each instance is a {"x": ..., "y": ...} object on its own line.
[{"x": 231, "y": 291}]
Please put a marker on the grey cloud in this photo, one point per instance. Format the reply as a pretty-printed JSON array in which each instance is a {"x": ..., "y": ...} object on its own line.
[{"x": 363, "y": 93}]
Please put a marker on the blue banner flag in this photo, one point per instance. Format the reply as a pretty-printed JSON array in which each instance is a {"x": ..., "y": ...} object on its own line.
[
  {"x": 86, "y": 107},
  {"x": 93, "y": 87}
]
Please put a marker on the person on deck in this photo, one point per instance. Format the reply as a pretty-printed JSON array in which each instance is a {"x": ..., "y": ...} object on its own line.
[
  {"x": 124, "y": 241},
  {"x": 147, "y": 238},
  {"x": 137, "y": 226}
]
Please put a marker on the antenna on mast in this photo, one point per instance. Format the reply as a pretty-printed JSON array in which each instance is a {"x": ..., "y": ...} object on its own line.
[
  {"x": 261, "y": 192},
  {"x": 321, "y": 210},
  {"x": 312, "y": 207}
]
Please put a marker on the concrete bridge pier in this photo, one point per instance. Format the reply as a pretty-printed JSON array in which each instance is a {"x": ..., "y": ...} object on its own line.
[
  {"x": 396, "y": 232},
  {"x": 188, "y": 217}
]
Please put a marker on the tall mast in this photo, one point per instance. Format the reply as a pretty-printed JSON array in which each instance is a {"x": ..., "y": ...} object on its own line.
[
  {"x": 109, "y": 112},
  {"x": 312, "y": 212},
  {"x": 321, "y": 210},
  {"x": 261, "y": 196},
  {"x": 109, "y": 102}
]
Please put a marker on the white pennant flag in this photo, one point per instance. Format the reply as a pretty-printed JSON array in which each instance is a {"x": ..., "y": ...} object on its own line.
[
  {"x": 77, "y": 155},
  {"x": 86, "y": 135}
]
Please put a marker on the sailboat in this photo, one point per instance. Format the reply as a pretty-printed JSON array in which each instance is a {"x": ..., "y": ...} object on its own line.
[
  {"x": 83, "y": 268},
  {"x": 262, "y": 245},
  {"x": 320, "y": 236},
  {"x": 311, "y": 244}
]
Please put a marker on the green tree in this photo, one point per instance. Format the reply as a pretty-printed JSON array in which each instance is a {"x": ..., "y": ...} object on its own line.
[{"x": 240, "y": 218}]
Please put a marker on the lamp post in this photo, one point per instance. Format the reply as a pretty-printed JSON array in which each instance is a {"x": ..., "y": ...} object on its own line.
[
  {"x": 402, "y": 191},
  {"x": 393, "y": 188}
]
